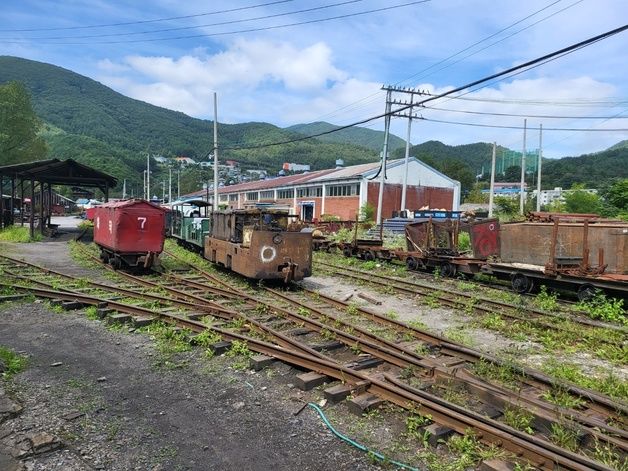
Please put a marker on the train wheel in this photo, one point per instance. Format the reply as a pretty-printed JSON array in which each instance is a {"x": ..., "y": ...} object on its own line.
[
  {"x": 116, "y": 263},
  {"x": 521, "y": 284},
  {"x": 586, "y": 292},
  {"x": 347, "y": 252},
  {"x": 369, "y": 256},
  {"x": 448, "y": 269},
  {"x": 412, "y": 263}
]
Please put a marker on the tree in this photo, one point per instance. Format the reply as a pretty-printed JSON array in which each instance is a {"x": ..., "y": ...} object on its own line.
[
  {"x": 19, "y": 124},
  {"x": 476, "y": 195},
  {"x": 513, "y": 174},
  {"x": 578, "y": 200}
]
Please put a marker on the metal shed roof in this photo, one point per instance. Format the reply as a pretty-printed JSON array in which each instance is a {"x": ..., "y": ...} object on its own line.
[{"x": 59, "y": 172}]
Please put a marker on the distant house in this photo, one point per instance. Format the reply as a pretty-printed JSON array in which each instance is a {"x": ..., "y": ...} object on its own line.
[
  {"x": 160, "y": 159},
  {"x": 185, "y": 160},
  {"x": 289, "y": 167}
]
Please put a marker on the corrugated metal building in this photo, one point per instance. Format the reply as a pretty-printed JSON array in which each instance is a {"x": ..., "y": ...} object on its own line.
[{"x": 342, "y": 191}]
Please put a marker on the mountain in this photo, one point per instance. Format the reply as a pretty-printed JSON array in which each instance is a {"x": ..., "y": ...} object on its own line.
[
  {"x": 358, "y": 136},
  {"x": 463, "y": 162},
  {"x": 92, "y": 123}
]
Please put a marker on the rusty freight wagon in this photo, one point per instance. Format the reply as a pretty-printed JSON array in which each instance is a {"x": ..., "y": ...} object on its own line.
[
  {"x": 580, "y": 255},
  {"x": 260, "y": 244},
  {"x": 129, "y": 233},
  {"x": 435, "y": 244}
]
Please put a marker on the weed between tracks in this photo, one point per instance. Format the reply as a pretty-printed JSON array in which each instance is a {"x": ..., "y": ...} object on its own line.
[{"x": 14, "y": 363}]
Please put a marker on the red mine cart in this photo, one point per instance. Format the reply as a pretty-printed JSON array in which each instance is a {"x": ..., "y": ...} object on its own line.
[{"x": 129, "y": 233}]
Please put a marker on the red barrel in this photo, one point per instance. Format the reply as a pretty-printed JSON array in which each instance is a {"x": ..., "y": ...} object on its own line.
[{"x": 132, "y": 226}]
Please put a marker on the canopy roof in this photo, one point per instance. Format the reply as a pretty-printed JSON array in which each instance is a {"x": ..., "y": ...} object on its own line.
[{"x": 59, "y": 172}]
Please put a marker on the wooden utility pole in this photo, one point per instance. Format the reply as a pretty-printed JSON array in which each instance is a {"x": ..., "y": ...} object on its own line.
[
  {"x": 492, "y": 187},
  {"x": 215, "y": 152},
  {"x": 404, "y": 189},
  {"x": 148, "y": 175},
  {"x": 522, "y": 196},
  {"x": 538, "y": 180},
  {"x": 169, "y": 184}
]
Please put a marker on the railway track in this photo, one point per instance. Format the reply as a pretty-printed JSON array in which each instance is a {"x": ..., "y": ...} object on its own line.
[
  {"x": 479, "y": 304},
  {"x": 310, "y": 340}
]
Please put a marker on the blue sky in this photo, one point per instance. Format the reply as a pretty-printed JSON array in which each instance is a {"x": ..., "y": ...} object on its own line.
[{"x": 333, "y": 70}]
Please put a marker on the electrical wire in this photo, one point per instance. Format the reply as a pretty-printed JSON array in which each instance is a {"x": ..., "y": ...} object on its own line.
[
  {"x": 181, "y": 28},
  {"x": 513, "y": 101},
  {"x": 508, "y": 72},
  {"x": 250, "y": 30},
  {"x": 139, "y": 22},
  {"x": 501, "y": 126},
  {"x": 371, "y": 98},
  {"x": 486, "y": 113}
]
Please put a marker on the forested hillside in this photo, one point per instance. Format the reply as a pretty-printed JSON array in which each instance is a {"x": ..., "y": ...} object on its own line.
[
  {"x": 89, "y": 122},
  {"x": 358, "y": 136}
]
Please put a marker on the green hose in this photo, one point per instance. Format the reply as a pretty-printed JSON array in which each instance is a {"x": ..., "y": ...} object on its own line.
[{"x": 359, "y": 446}]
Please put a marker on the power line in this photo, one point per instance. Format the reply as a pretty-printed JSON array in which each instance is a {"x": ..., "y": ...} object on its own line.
[
  {"x": 499, "y": 126},
  {"x": 251, "y": 30},
  {"x": 520, "y": 101},
  {"x": 371, "y": 98},
  {"x": 527, "y": 66},
  {"x": 146, "y": 21},
  {"x": 181, "y": 28},
  {"x": 521, "y": 115}
]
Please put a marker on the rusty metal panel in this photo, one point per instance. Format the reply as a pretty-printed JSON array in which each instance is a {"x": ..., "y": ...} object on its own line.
[
  {"x": 530, "y": 243},
  {"x": 484, "y": 238}
]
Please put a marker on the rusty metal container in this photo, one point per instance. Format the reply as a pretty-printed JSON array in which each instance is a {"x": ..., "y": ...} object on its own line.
[
  {"x": 133, "y": 226},
  {"x": 531, "y": 243}
]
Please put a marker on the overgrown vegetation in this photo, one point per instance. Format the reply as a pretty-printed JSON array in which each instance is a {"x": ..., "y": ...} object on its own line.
[
  {"x": 603, "y": 308},
  {"x": 13, "y": 363},
  {"x": 18, "y": 234}
]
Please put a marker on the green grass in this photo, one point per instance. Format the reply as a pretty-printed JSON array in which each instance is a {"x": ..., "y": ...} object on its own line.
[
  {"x": 13, "y": 363},
  {"x": 606, "y": 382},
  {"x": 18, "y": 234},
  {"x": 605, "y": 309}
]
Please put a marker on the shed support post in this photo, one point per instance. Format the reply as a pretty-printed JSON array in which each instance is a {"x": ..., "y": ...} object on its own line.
[
  {"x": 1, "y": 201},
  {"x": 41, "y": 207},
  {"x": 32, "y": 221},
  {"x": 49, "y": 204},
  {"x": 22, "y": 201},
  {"x": 12, "y": 204}
]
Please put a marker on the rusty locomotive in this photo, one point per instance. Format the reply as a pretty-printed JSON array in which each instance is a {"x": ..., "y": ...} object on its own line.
[{"x": 261, "y": 244}]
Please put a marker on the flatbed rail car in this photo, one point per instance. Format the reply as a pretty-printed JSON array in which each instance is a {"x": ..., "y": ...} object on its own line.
[
  {"x": 435, "y": 244},
  {"x": 129, "y": 233},
  {"x": 260, "y": 244},
  {"x": 582, "y": 256},
  {"x": 190, "y": 224}
]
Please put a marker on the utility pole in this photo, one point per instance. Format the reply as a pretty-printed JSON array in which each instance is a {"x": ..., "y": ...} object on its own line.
[
  {"x": 404, "y": 189},
  {"x": 178, "y": 184},
  {"x": 215, "y": 152},
  {"x": 492, "y": 187},
  {"x": 144, "y": 184},
  {"x": 124, "y": 189},
  {"x": 382, "y": 180},
  {"x": 523, "y": 170},
  {"x": 163, "y": 191},
  {"x": 169, "y": 184},
  {"x": 148, "y": 174},
  {"x": 538, "y": 180}
]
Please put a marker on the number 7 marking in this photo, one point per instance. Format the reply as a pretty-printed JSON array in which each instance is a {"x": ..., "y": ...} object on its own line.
[{"x": 142, "y": 221}]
